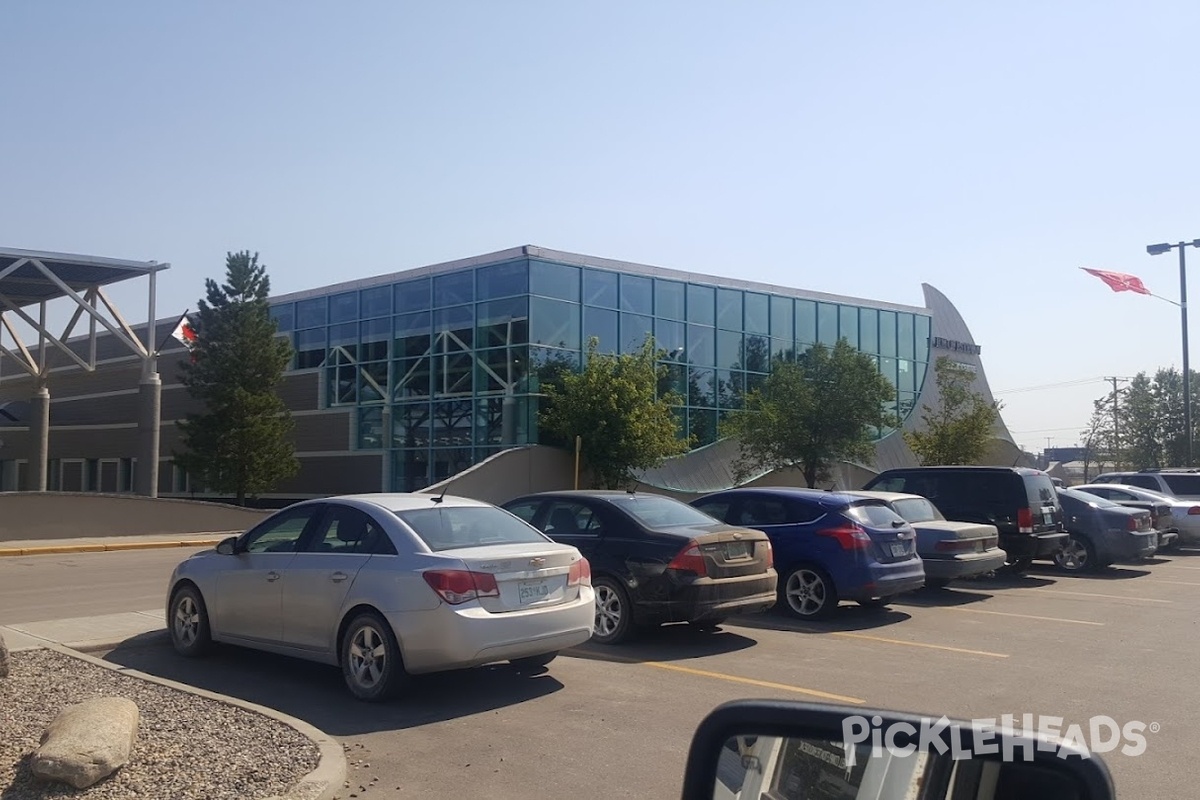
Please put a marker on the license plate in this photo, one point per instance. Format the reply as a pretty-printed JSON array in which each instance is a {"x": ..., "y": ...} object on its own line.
[
  {"x": 899, "y": 549},
  {"x": 1048, "y": 517},
  {"x": 532, "y": 591},
  {"x": 737, "y": 550}
]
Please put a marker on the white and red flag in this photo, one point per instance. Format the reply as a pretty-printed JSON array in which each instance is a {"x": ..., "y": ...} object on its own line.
[
  {"x": 1119, "y": 281},
  {"x": 184, "y": 332}
]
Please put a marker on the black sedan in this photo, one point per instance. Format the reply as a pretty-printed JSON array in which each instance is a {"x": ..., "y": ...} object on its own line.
[
  {"x": 655, "y": 559},
  {"x": 1101, "y": 532}
]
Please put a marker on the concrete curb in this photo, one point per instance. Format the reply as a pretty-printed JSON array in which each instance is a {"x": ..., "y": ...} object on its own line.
[
  {"x": 323, "y": 783},
  {"x": 104, "y": 548}
]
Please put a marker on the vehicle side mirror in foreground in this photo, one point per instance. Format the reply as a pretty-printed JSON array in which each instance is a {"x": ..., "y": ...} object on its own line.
[
  {"x": 754, "y": 749},
  {"x": 228, "y": 547}
]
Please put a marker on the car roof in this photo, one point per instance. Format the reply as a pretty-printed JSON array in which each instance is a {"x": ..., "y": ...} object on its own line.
[
  {"x": 966, "y": 468},
  {"x": 408, "y": 501},
  {"x": 597, "y": 494},
  {"x": 819, "y": 495},
  {"x": 886, "y": 496}
]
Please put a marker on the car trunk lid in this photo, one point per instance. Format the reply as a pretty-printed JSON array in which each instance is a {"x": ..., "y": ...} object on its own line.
[
  {"x": 525, "y": 575},
  {"x": 729, "y": 552}
]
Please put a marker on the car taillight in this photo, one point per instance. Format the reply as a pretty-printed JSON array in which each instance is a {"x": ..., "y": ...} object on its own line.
[
  {"x": 770, "y": 555},
  {"x": 1194, "y": 511},
  {"x": 955, "y": 545},
  {"x": 1132, "y": 524},
  {"x": 1025, "y": 520},
  {"x": 581, "y": 572},
  {"x": 850, "y": 537},
  {"x": 690, "y": 559},
  {"x": 457, "y": 586}
]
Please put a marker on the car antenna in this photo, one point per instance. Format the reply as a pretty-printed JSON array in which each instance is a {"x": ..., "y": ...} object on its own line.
[
  {"x": 438, "y": 499},
  {"x": 636, "y": 484}
]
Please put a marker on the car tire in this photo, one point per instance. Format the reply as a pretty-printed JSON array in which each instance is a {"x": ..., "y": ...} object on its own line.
[
  {"x": 708, "y": 624},
  {"x": 937, "y": 583},
  {"x": 191, "y": 635},
  {"x": 370, "y": 656},
  {"x": 1077, "y": 555},
  {"x": 531, "y": 663},
  {"x": 807, "y": 592},
  {"x": 614, "y": 612}
]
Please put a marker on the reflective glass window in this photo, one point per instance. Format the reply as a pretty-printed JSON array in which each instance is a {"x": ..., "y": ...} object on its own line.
[
  {"x": 806, "y": 321},
  {"x": 502, "y": 280},
  {"x": 731, "y": 389},
  {"x": 701, "y": 345},
  {"x": 922, "y": 337},
  {"x": 370, "y": 428},
  {"x": 868, "y": 330},
  {"x": 453, "y": 373},
  {"x": 554, "y": 323},
  {"x": 376, "y": 302},
  {"x": 600, "y": 288},
  {"x": 373, "y": 382},
  {"x": 702, "y": 388},
  {"x": 310, "y": 348},
  {"x": 756, "y": 356},
  {"x": 410, "y": 424},
  {"x": 413, "y": 378},
  {"x": 907, "y": 375},
  {"x": 729, "y": 350},
  {"x": 284, "y": 315},
  {"x": 343, "y": 307},
  {"x": 702, "y": 424},
  {"x": 634, "y": 330},
  {"x": 887, "y": 368},
  {"x": 601, "y": 323},
  {"x": 452, "y": 423},
  {"x": 554, "y": 280},
  {"x": 548, "y": 364},
  {"x": 827, "y": 324},
  {"x": 668, "y": 299},
  {"x": 905, "y": 331},
  {"x": 848, "y": 324},
  {"x": 757, "y": 313},
  {"x": 671, "y": 337},
  {"x": 500, "y": 369},
  {"x": 673, "y": 381},
  {"x": 729, "y": 309},
  {"x": 412, "y": 295},
  {"x": 782, "y": 325},
  {"x": 341, "y": 384},
  {"x": 312, "y": 313},
  {"x": 412, "y": 334},
  {"x": 500, "y": 323},
  {"x": 410, "y": 470},
  {"x": 376, "y": 334},
  {"x": 453, "y": 288},
  {"x": 887, "y": 333},
  {"x": 701, "y": 304},
  {"x": 459, "y": 323},
  {"x": 344, "y": 338},
  {"x": 637, "y": 294}
]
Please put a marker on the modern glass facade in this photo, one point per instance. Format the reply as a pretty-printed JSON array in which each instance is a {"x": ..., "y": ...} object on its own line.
[{"x": 443, "y": 370}]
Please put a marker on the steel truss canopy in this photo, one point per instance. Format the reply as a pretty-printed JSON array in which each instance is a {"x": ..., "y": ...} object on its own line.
[{"x": 29, "y": 279}]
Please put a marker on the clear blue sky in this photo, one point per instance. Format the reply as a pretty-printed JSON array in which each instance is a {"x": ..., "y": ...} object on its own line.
[{"x": 858, "y": 148}]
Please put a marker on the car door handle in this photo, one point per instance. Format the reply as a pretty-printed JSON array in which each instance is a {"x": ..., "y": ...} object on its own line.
[
  {"x": 272, "y": 576},
  {"x": 338, "y": 577}
]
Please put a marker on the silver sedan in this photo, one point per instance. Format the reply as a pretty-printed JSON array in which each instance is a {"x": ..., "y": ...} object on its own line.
[
  {"x": 1183, "y": 516},
  {"x": 386, "y": 586}
]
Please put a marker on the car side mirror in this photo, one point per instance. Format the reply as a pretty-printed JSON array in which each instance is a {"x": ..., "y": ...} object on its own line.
[
  {"x": 780, "y": 748},
  {"x": 228, "y": 547}
]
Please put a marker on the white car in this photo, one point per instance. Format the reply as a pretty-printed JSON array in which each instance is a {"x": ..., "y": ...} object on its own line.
[
  {"x": 1184, "y": 514},
  {"x": 386, "y": 586}
]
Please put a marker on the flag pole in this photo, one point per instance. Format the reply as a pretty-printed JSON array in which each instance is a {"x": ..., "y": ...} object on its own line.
[{"x": 163, "y": 343}]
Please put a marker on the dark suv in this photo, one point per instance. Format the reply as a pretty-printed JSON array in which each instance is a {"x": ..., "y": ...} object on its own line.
[{"x": 1022, "y": 504}]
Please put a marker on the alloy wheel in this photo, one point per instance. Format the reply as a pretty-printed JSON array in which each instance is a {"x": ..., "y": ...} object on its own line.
[
  {"x": 368, "y": 656},
  {"x": 806, "y": 592},
  {"x": 187, "y": 621},
  {"x": 1073, "y": 556},
  {"x": 608, "y": 611}
]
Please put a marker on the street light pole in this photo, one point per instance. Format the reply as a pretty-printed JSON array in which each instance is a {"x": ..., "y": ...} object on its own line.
[{"x": 1156, "y": 250}]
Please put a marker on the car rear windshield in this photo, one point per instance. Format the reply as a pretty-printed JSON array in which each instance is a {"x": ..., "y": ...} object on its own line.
[
  {"x": 916, "y": 509},
  {"x": 874, "y": 515},
  {"x": 1040, "y": 490},
  {"x": 1088, "y": 497},
  {"x": 468, "y": 526},
  {"x": 655, "y": 511},
  {"x": 1182, "y": 484}
]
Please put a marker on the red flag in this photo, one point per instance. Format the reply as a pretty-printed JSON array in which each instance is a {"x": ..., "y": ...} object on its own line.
[
  {"x": 185, "y": 333},
  {"x": 1119, "y": 281}
]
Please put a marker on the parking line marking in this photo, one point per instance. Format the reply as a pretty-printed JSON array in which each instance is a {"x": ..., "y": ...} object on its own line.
[
  {"x": 1173, "y": 566},
  {"x": 870, "y": 638},
  {"x": 722, "y": 676},
  {"x": 1094, "y": 594},
  {"x": 1173, "y": 583},
  {"x": 1021, "y": 616},
  {"x": 753, "y": 682}
]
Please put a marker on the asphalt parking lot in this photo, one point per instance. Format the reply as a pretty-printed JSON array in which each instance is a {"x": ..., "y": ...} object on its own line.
[{"x": 618, "y": 720}]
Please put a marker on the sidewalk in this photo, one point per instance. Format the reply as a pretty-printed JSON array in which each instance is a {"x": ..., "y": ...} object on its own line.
[
  {"x": 86, "y": 633},
  {"x": 100, "y": 544}
]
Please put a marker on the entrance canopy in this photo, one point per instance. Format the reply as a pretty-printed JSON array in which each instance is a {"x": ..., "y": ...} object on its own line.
[{"x": 29, "y": 279}]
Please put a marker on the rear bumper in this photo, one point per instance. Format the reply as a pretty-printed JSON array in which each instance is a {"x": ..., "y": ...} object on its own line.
[
  {"x": 453, "y": 638},
  {"x": 1127, "y": 546},
  {"x": 888, "y": 580},
  {"x": 965, "y": 565},
  {"x": 711, "y": 598},
  {"x": 1032, "y": 545}
]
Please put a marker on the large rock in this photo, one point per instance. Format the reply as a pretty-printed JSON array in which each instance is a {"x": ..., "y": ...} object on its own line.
[
  {"x": 3, "y": 657},
  {"x": 87, "y": 741}
]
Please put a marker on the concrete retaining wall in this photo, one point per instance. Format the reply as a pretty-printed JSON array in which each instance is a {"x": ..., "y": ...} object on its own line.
[{"x": 62, "y": 515}]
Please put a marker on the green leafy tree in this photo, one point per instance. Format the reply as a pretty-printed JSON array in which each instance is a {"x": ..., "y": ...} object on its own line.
[
  {"x": 612, "y": 403},
  {"x": 240, "y": 443},
  {"x": 1099, "y": 442},
  {"x": 809, "y": 414},
  {"x": 959, "y": 431}
]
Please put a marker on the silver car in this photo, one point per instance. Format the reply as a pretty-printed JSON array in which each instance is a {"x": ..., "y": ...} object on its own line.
[
  {"x": 1183, "y": 516},
  {"x": 386, "y": 586}
]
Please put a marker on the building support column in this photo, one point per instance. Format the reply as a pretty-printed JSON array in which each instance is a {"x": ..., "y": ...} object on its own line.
[
  {"x": 149, "y": 417},
  {"x": 508, "y": 420},
  {"x": 39, "y": 432}
]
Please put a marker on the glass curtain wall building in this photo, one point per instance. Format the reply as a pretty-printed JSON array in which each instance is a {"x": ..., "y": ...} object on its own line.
[{"x": 443, "y": 366}]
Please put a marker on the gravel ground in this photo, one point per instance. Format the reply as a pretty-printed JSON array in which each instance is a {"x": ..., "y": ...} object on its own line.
[{"x": 188, "y": 747}]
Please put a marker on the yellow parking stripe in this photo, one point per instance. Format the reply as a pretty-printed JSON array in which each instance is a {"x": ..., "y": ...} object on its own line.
[
  {"x": 837, "y": 698},
  {"x": 870, "y": 638},
  {"x": 1172, "y": 583},
  {"x": 1094, "y": 594},
  {"x": 1020, "y": 616}
]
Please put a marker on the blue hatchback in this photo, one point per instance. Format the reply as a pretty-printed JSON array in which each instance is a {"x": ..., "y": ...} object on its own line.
[{"x": 827, "y": 546}]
